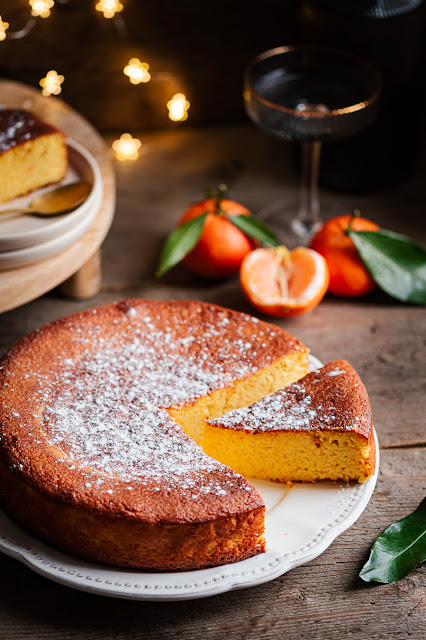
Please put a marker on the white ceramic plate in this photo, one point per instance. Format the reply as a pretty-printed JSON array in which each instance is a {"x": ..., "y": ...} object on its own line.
[
  {"x": 300, "y": 524},
  {"x": 19, "y": 232}
]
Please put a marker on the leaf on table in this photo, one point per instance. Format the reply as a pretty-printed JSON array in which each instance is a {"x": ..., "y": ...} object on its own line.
[
  {"x": 255, "y": 228},
  {"x": 399, "y": 549},
  {"x": 396, "y": 263},
  {"x": 179, "y": 243}
]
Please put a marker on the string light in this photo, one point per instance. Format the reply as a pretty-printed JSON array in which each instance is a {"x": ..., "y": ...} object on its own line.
[
  {"x": 52, "y": 83},
  {"x": 137, "y": 71},
  {"x": 127, "y": 147},
  {"x": 41, "y": 8},
  {"x": 4, "y": 26},
  {"x": 109, "y": 7},
  {"x": 178, "y": 107}
]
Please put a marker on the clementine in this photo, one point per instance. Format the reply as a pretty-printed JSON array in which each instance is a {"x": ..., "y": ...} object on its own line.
[
  {"x": 348, "y": 275},
  {"x": 222, "y": 246},
  {"x": 284, "y": 283}
]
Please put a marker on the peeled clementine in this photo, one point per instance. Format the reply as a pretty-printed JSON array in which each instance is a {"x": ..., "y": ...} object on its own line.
[
  {"x": 221, "y": 247},
  {"x": 280, "y": 282},
  {"x": 348, "y": 275}
]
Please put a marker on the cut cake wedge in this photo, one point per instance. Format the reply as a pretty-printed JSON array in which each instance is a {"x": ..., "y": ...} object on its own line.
[
  {"x": 319, "y": 427},
  {"x": 33, "y": 153}
]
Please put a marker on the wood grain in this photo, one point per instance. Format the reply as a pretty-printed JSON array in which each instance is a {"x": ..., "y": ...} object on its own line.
[{"x": 383, "y": 339}]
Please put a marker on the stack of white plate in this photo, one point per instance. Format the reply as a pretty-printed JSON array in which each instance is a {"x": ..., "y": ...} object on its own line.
[{"x": 25, "y": 239}]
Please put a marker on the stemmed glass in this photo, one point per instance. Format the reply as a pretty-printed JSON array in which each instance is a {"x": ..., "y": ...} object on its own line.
[{"x": 310, "y": 94}]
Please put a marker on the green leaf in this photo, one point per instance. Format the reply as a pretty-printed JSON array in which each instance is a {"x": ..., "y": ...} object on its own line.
[
  {"x": 399, "y": 549},
  {"x": 396, "y": 263},
  {"x": 179, "y": 243},
  {"x": 255, "y": 229}
]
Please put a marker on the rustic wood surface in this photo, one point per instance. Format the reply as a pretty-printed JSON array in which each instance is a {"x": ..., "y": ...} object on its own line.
[
  {"x": 18, "y": 286},
  {"x": 383, "y": 339}
]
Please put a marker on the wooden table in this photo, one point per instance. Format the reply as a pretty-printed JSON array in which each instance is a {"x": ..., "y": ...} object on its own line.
[{"x": 382, "y": 338}]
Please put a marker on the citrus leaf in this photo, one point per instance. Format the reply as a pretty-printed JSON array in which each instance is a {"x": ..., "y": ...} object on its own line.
[
  {"x": 179, "y": 243},
  {"x": 399, "y": 549},
  {"x": 255, "y": 229},
  {"x": 396, "y": 263}
]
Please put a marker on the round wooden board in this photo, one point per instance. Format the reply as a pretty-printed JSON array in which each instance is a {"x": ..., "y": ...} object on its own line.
[{"x": 19, "y": 286}]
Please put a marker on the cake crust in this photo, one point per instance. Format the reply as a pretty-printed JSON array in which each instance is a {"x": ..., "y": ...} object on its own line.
[{"x": 18, "y": 126}]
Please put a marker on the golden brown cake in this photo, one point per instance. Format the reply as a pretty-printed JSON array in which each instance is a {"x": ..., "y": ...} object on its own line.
[
  {"x": 33, "y": 153},
  {"x": 92, "y": 461},
  {"x": 319, "y": 427}
]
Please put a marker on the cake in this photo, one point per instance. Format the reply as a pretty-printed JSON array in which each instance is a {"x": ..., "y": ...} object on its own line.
[
  {"x": 319, "y": 427},
  {"x": 33, "y": 153},
  {"x": 92, "y": 457}
]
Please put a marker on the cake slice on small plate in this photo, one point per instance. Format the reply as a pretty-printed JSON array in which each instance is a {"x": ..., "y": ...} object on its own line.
[
  {"x": 319, "y": 427},
  {"x": 33, "y": 153}
]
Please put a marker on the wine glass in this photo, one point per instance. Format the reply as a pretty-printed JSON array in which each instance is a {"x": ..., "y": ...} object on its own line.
[{"x": 310, "y": 94}]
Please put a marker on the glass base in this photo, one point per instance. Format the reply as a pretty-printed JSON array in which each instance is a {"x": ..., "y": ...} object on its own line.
[
  {"x": 282, "y": 217},
  {"x": 303, "y": 228}
]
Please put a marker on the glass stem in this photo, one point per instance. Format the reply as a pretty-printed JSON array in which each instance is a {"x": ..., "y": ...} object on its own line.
[{"x": 309, "y": 208}]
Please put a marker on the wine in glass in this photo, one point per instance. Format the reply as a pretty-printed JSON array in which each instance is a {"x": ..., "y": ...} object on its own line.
[{"x": 310, "y": 94}]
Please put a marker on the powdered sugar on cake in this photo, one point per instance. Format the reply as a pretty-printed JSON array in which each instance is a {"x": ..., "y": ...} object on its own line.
[
  {"x": 105, "y": 409},
  {"x": 307, "y": 405}
]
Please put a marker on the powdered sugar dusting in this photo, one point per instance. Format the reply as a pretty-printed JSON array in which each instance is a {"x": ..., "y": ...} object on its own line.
[
  {"x": 315, "y": 402},
  {"x": 276, "y": 411},
  {"x": 105, "y": 410},
  {"x": 16, "y": 126}
]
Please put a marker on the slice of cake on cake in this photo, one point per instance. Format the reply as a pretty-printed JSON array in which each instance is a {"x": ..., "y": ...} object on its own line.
[
  {"x": 319, "y": 427},
  {"x": 33, "y": 153}
]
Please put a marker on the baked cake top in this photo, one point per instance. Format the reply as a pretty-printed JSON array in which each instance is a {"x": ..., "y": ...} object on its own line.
[
  {"x": 331, "y": 398},
  {"x": 83, "y": 397},
  {"x": 18, "y": 126}
]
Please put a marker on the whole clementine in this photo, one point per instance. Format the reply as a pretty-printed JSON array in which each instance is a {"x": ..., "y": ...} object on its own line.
[
  {"x": 348, "y": 275},
  {"x": 222, "y": 246}
]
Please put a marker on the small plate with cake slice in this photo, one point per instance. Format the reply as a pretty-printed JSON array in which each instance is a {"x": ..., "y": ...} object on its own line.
[
  {"x": 100, "y": 462},
  {"x": 26, "y": 144}
]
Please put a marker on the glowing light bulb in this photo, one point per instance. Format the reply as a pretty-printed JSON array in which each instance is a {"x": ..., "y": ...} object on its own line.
[
  {"x": 137, "y": 71},
  {"x": 127, "y": 147},
  {"x": 3, "y": 28},
  {"x": 51, "y": 84},
  {"x": 109, "y": 7},
  {"x": 41, "y": 8},
  {"x": 178, "y": 107}
]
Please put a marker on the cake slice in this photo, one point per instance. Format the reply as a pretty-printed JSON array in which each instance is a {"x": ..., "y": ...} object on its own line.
[
  {"x": 319, "y": 427},
  {"x": 33, "y": 153}
]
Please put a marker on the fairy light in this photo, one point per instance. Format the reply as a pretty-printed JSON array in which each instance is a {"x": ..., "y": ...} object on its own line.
[
  {"x": 109, "y": 7},
  {"x": 41, "y": 8},
  {"x": 137, "y": 71},
  {"x": 127, "y": 147},
  {"x": 4, "y": 26},
  {"x": 178, "y": 107},
  {"x": 51, "y": 84}
]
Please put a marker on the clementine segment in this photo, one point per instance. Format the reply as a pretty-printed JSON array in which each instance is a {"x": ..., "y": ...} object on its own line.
[
  {"x": 221, "y": 247},
  {"x": 348, "y": 275},
  {"x": 284, "y": 283}
]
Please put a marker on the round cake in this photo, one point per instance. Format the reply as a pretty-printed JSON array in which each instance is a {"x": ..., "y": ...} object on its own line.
[{"x": 98, "y": 418}]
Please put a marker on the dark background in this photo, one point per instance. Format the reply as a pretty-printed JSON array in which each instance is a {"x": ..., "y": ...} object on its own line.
[{"x": 201, "y": 49}]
